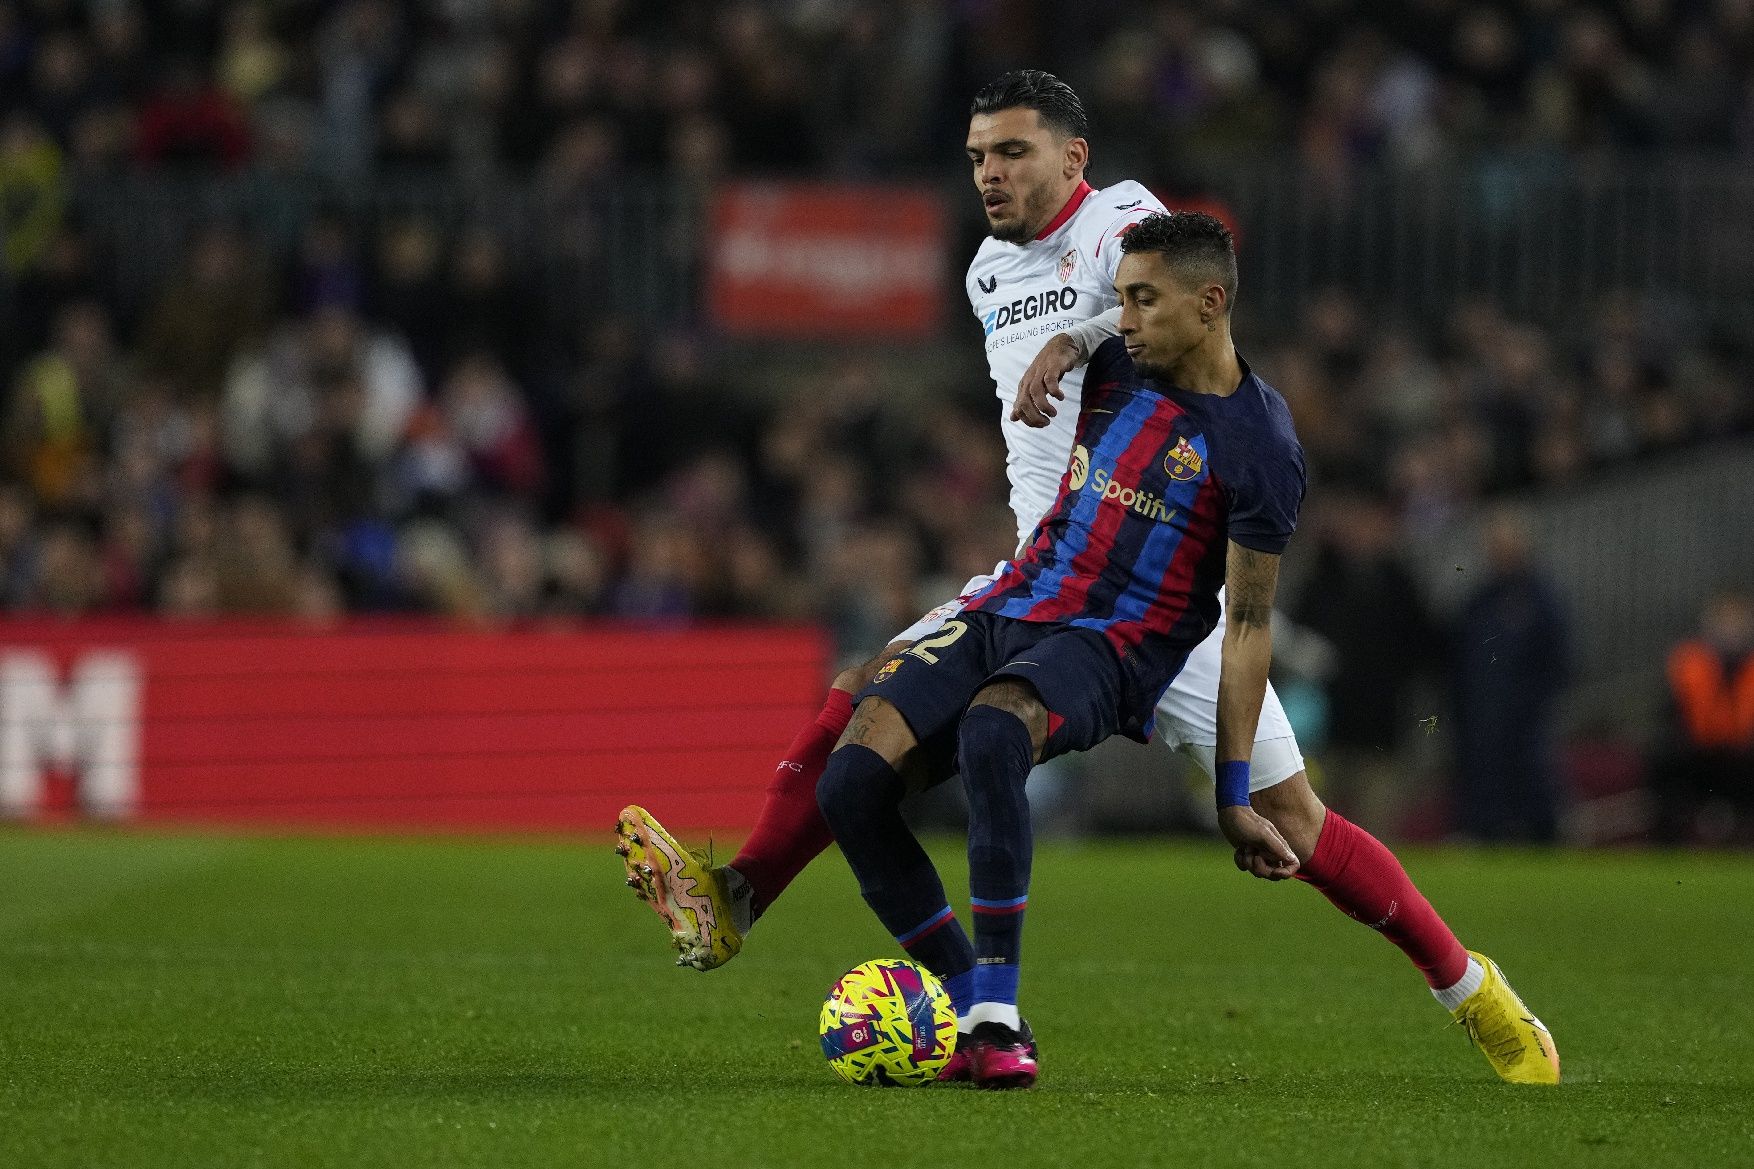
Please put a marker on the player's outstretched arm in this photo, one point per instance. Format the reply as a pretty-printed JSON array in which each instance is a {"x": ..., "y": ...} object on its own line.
[
  {"x": 1251, "y": 579},
  {"x": 1063, "y": 352}
]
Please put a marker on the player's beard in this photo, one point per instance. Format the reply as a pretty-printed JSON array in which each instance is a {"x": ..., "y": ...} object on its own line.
[
  {"x": 1032, "y": 211},
  {"x": 1157, "y": 370},
  {"x": 1145, "y": 367}
]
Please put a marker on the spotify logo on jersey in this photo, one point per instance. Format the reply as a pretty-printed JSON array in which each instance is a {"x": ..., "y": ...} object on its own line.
[{"x": 1134, "y": 499}]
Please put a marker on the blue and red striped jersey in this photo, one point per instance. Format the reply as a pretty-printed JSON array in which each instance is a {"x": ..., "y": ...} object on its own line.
[{"x": 1161, "y": 479}]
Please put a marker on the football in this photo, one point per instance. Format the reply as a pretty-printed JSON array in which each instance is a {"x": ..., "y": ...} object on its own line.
[{"x": 888, "y": 1022}]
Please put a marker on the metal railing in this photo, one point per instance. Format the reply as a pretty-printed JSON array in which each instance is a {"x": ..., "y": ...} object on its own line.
[
  {"x": 1545, "y": 240},
  {"x": 630, "y": 248}
]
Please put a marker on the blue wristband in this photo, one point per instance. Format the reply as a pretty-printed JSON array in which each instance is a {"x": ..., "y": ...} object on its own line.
[{"x": 1233, "y": 784}]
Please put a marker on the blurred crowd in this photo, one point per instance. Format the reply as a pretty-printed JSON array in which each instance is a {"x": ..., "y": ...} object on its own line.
[
  {"x": 379, "y": 425},
  {"x": 375, "y": 426},
  {"x": 385, "y": 414},
  {"x": 693, "y": 88}
]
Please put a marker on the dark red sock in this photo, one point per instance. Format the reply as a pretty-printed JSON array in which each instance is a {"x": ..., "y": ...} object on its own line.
[
  {"x": 790, "y": 833},
  {"x": 1358, "y": 873}
]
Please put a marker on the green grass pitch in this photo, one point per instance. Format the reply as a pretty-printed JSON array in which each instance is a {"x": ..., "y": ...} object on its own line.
[{"x": 182, "y": 1000}]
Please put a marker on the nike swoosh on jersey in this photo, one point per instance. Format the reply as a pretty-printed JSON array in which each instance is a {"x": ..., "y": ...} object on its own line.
[{"x": 1128, "y": 206}]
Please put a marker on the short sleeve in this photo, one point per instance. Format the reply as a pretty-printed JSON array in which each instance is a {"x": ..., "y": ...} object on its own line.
[
  {"x": 1108, "y": 244},
  {"x": 1266, "y": 500}
]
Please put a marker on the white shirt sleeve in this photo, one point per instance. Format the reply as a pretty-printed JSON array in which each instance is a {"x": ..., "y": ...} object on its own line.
[{"x": 1087, "y": 335}]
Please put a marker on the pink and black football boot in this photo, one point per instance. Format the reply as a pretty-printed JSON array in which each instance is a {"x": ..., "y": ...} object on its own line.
[
  {"x": 962, "y": 1063},
  {"x": 1003, "y": 1058}
]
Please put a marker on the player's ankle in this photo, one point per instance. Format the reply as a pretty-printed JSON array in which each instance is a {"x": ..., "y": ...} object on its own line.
[
  {"x": 742, "y": 895},
  {"x": 1005, "y": 1014},
  {"x": 1458, "y": 993}
]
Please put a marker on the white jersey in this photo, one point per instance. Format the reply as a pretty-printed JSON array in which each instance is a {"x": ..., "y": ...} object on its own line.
[{"x": 1024, "y": 293}]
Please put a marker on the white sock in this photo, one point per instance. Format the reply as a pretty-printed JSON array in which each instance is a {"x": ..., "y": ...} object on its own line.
[
  {"x": 1453, "y": 996},
  {"x": 1005, "y": 1013},
  {"x": 742, "y": 903}
]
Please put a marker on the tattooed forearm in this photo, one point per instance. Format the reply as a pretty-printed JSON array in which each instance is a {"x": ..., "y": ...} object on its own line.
[{"x": 1251, "y": 579}]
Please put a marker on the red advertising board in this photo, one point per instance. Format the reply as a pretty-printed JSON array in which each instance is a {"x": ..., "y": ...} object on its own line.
[
  {"x": 397, "y": 725},
  {"x": 819, "y": 260}
]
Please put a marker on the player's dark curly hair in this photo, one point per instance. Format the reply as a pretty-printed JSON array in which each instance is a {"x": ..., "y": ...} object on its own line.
[
  {"x": 1033, "y": 89},
  {"x": 1197, "y": 246}
]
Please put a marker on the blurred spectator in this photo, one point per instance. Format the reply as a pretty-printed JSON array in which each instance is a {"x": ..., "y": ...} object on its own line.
[
  {"x": 409, "y": 292},
  {"x": 17, "y": 535},
  {"x": 66, "y": 577},
  {"x": 188, "y": 121},
  {"x": 128, "y": 556},
  {"x": 485, "y": 412},
  {"x": 1510, "y": 671},
  {"x": 251, "y": 61},
  {"x": 31, "y": 183},
  {"x": 329, "y": 373},
  {"x": 189, "y": 590},
  {"x": 435, "y": 572},
  {"x": 217, "y": 304},
  {"x": 664, "y": 576},
  {"x": 359, "y": 47},
  {"x": 513, "y": 566},
  {"x": 67, "y": 269},
  {"x": 62, "y": 407},
  {"x": 258, "y": 570},
  {"x": 327, "y": 269},
  {"x": 412, "y": 137},
  {"x": 61, "y": 86},
  {"x": 1702, "y": 780},
  {"x": 577, "y": 574},
  {"x": 1361, "y": 599},
  {"x": 486, "y": 308}
]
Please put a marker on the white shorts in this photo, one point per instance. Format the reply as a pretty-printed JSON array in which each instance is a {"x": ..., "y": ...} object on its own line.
[{"x": 1187, "y": 716}]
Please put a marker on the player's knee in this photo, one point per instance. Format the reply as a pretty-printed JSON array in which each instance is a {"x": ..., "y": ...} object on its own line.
[
  {"x": 1014, "y": 701},
  {"x": 857, "y": 783},
  {"x": 993, "y": 742}
]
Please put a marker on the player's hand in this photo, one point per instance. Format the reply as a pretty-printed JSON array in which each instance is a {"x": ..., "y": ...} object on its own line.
[
  {"x": 1034, "y": 404},
  {"x": 1260, "y": 850}
]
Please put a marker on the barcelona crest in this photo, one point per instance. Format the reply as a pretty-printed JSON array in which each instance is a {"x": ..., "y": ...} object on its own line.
[{"x": 1183, "y": 462}]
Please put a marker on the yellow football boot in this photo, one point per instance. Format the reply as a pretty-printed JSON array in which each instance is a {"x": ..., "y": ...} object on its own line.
[
  {"x": 1517, "y": 1045},
  {"x": 683, "y": 886}
]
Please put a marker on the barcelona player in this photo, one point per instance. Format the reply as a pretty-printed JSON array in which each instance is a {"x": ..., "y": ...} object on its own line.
[{"x": 1051, "y": 232}]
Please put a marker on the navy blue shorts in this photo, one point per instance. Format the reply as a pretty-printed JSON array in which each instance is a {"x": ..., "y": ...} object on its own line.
[{"x": 1088, "y": 694}]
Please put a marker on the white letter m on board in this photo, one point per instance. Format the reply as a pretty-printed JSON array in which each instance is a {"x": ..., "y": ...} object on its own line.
[{"x": 91, "y": 728}]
